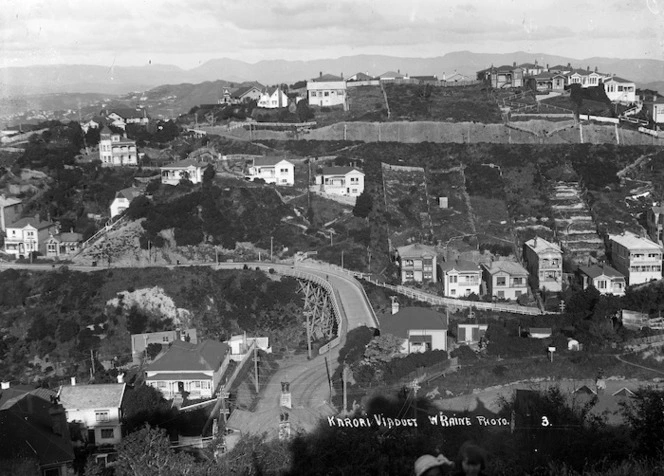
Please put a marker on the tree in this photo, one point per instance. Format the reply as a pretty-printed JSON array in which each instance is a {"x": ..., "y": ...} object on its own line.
[
  {"x": 147, "y": 452},
  {"x": 363, "y": 205},
  {"x": 152, "y": 350},
  {"x": 143, "y": 405},
  {"x": 208, "y": 175},
  {"x": 136, "y": 321},
  {"x": 383, "y": 348},
  {"x": 645, "y": 414},
  {"x": 304, "y": 113}
]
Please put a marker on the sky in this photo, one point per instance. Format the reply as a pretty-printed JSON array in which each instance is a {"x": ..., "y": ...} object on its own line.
[{"x": 187, "y": 33}]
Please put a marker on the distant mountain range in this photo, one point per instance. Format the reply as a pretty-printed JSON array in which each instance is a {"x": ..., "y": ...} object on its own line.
[{"x": 21, "y": 81}]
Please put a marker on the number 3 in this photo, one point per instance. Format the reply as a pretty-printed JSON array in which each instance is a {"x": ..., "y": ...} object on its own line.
[{"x": 545, "y": 421}]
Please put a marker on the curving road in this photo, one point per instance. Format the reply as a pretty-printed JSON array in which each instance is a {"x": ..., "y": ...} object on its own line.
[{"x": 310, "y": 392}]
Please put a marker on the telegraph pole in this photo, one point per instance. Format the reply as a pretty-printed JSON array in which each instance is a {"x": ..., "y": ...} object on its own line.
[
  {"x": 271, "y": 247},
  {"x": 256, "y": 367},
  {"x": 343, "y": 377},
  {"x": 308, "y": 336},
  {"x": 92, "y": 362}
]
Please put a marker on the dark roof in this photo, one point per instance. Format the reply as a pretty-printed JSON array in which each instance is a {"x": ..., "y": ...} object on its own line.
[
  {"x": 268, "y": 161},
  {"x": 411, "y": 318},
  {"x": 560, "y": 67},
  {"x": 391, "y": 74},
  {"x": 26, "y": 431},
  {"x": 206, "y": 355},
  {"x": 460, "y": 265},
  {"x": 416, "y": 250},
  {"x": 362, "y": 77},
  {"x": 339, "y": 170},
  {"x": 425, "y": 78},
  {"x": 326, "y": 78},
  {"x": 618, "y": 79},
  {"x": 241, "y": 91},
  {"x": 179, "y": 376},
  {"x": 183, "y": 164},
  {"x": 510, "y": 267},
  {"x": 38, "y": 224},
  {"x": 595, "y": 271},
  {"x": 530, "y": 65},
  {"x": 8, "y": 395},
  {"x": 128, "y": 193},
  {"x": 70, "y": 237}
]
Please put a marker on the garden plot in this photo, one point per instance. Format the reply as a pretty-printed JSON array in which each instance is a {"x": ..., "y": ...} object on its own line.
[
  {"x": 485, "y": 186},
  {"x": 366, "y": 103},
  {"x": 455, "y": 221},
  {"x": 406, "y": 204}
]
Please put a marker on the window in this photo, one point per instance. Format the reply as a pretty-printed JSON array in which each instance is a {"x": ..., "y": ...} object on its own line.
[
  {"x": 205, "y": 385},
  {"x": 518, "y": 281},
  {"x": 161, "y": 384},
  {"x": 454, "y": 279},
  {"x": 196, "y": 383},
  {"x": 409, "y": 275},
  {"x": 354, "y": 179},
  {"x": 501, "y": 294},
  {"x": 452, "y": 292},
  {"x": 51, "y": 247},
  {"x": 601, "y": 284},
  {"x": 501, "y": 281},
  {"x": 107, "y": 434},
  {"x": 102, "y": 415},
  {"x": 327, "y": 93},
  {"x": 518, "y": 293},
  {"x": 164, "y": 339},
  {"x": 409, "y": 262},
  {"x": 283, "y": 171},
  {"x": 313, "y": 94}
]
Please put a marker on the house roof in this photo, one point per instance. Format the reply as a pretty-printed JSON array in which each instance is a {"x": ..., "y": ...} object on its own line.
[
  {"x": 595, "y": 271},
  {"x": 327, "y": 78},
  {"x": 530, "y": 65},
  {"x": 539, "y": 245},
  {"x": 391, "y": 74},
  {"x": 268, "y": 161},
  {"x": 510, "y": 267},
  {"x": 179, "y": 376},
  {"x": 70, "y": 237},
  {"x": 362, "y": 77},
  {"x": 10, "y": 395},
  {"x": 103, "y": 395},
  {"x": 459, "y": 265},
  {"x": 205, "y": 355},
  {"x": 184, "y": 164},
  {"x": 26, "y": 431},
  {"x": 411, "y": 318},
  {"x": 128, "y": 113},
  {"x": 560, "y": 67},
  {"x": 128, "y": 193},
  {"x": 340, "y": 170},
  {"x": 657, "y": 210},
  {"x": 618, "y": 79},
  {"x": 416, "y": 250},
  {"x": 9, "y": 201},
  {"x": 631, "y": 241},
  {"x": 425, "y": 78},
  {"x": 32, "y": 221},
  {"x": 106, "y": 130}
]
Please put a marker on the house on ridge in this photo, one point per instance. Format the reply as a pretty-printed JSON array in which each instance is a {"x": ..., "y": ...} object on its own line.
[
  {"x": 347, "y": 181},
  {"x": 189, "y": 169},
  {"x": 276, "y": 170},
  {"x": 421, "y": 329}
]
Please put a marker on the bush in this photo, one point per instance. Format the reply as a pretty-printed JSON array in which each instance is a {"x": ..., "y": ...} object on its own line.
[{"x": 397, "y": 369}]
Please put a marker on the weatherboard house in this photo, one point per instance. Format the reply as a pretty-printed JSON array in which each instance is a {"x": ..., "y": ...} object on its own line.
[
  {"x": 326, "y": 90},
  {"x": 418, "y": 263},
  {"x": 187, "y": 367},
  {"x": 419, "y": 328},
  {"x": 276, "y": 170},
  {"x": 116, "y": 150},
  {"x": 188, "y": 169},
  {"x": 341, "y": 181}
]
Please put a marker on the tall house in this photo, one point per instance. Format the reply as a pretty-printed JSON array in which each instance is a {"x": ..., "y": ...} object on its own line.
[
  {"x": 418, "y": 263},
  {"x": 326, "y": 90},
  {"x": 28, "y": 235},
  {"x": 116, "y": 150},
  {"x": 461, "y": 278},
  {"x": 505, "y": 279},
  {"x": 637, "y": 258},
  {"x": 544, "y": 260},
  {"x": 348, "y": 181}
]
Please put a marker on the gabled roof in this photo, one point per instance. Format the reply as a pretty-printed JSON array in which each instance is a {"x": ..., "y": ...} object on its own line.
[
  {"x": 634, "y": 242},
  {"x": 416, "y": 250},
  {"x": 9, "y": 201},
  {"x": 595, "y": 271},
  {"x": 82, "y": 397},
  {"x": 340, "y": 170},
  {"x": 411, "y": 318},
  {"x": 459, "y": 265},
  {"x": 268, "y": 161},
  {"x": 26, "y": 431},
  {"x": 560, "y": 67},
  {"x": 184, "y": 356},
  {"x": 530, "y": 65},
  {"x": 362, "y": 77},
  {"x": 327, "y": 78},
  {"x": 70, "y": 237},
  {"x": 129, "y": 193},
  {"x": 510, "y": 267},
  {"x": 585, "y": 389},
  {"x": 32, "y": 221},
  {"x": 539, "y": 245},
  {"x": 239, "y": 92},
  {"x": 11, "y": 395}
]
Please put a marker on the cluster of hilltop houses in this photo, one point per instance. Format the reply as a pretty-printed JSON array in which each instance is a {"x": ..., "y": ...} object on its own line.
[
  {"x": 556, "y": 78},
  {"x": 635, "y": 260}
]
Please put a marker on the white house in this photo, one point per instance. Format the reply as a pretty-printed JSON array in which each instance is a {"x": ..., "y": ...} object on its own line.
[
  {"x": 28, "y": 235},
  {"x": 603, "y": 278},
  {"x": 275, "y": 170},
  {"x": 470, "y": 332},
  {"x": 637, "y": 258},
  {"x": 247, "y": 93},
  {"x": 91, "y": 124},
  {"x": 241, "y": 344},
  {"x": 620, "y": 90},
  {"x": 420, "y": 328},
  {"x": 123, "y": 199},
  {"x": 192, "y": 368},
  {"x": 326, "y": 90},
  {"x": 545, "y": 261},
  {"x": 273, "y": 98},
  {"x": 461, "y": 278},
  {"x": 63, "y": 245},
  {"x": 95, "y": 408},
  {"x": 505, "y": 279},
  {"x": 116, "y": 150},
  {"x": 341, "y": 181},
  {"x": 128, "y": 115},
  {"x": 189, "y": 169}
]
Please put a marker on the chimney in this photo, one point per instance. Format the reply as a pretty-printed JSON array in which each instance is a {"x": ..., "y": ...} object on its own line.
[
  {"x": 514, "y": 64},
  {"x": 320, "y": 74},
  {"x": 5, "y": 385},
  {"x": 569, "y": 65},
  {"x": 535, "y": 241},
  {"x": 535, "y": 62},
  {"x": 547, "y": 66},
  {"x": 398, "y": 71},
  {"x": 59, "y": 421},
  {"x": 595, "y": 69},
  {"x": 73, "y": 381},
  {"x": 342, "y": 76},
  {"x": 120, "y": 378},
  {"x": 587, "y": 68}
]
